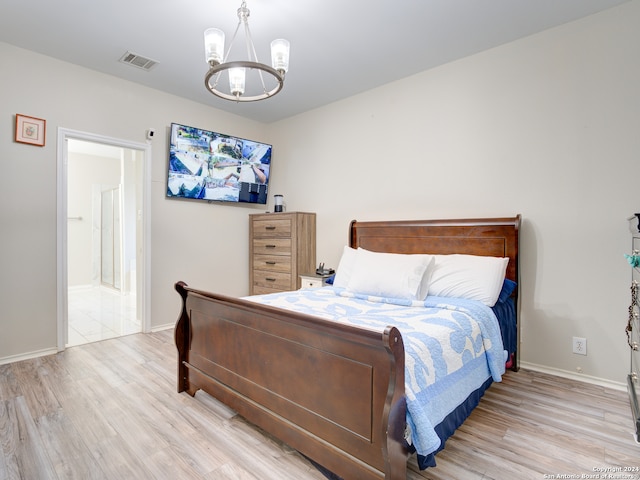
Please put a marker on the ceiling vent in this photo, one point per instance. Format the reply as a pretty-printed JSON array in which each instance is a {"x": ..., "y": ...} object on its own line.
[{"x": 138, "y": 61}]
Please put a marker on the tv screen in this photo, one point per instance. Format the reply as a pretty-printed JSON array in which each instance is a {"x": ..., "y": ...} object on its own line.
[{"x": 206, "y": 165}]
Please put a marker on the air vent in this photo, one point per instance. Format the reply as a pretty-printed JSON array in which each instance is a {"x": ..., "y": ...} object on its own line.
[{"x": 138, "y": 61}]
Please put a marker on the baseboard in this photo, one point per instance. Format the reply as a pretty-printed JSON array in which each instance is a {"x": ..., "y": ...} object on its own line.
[
  {"x": 160, "y": 328},
  {"x": 52, "y": 351},
  {"x": 527, "y": 366},
  {"x": 27, "y": 356},
  {"x": 575, "y": 376}
]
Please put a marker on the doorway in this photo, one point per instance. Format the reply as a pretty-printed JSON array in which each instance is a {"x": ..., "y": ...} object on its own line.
[{"x": 103, "y": 233}]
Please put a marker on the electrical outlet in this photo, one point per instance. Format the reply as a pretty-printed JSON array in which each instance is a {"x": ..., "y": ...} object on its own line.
[{"x": 580, "y": 345}]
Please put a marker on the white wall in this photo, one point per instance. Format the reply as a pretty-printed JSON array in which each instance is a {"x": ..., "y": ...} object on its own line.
[
  {"x": 545, "y": 126},
  {"x": 202, "y": 244}
]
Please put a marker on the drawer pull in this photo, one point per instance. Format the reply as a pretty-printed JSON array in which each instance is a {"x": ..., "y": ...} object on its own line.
[
  {"x": 270, "y": 227},
  {"x": 270, "y": 263},
  {"x": 269, "y": 279},
  {"x": 634, "y": 346},
  {"x": 269, "y": 246}
]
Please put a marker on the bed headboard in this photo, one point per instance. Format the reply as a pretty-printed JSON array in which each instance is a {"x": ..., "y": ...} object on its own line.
[{"x": 496, "y": 237}]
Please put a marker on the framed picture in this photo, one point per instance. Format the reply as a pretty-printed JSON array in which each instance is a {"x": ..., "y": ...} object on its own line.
[{"x": 30, "y": 130}]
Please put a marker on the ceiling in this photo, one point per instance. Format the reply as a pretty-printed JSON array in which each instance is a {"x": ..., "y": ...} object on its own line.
[{"x": 338, "y": 47}]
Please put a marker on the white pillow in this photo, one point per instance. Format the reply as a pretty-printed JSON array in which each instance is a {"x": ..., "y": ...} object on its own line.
[
  {"x": 345, "y": 267},
  {"x": 473, "y": 277},
  {"x": 391, "y": 275}
]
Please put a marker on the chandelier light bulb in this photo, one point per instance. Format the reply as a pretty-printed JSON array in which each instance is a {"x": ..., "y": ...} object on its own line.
[
  {"x": 280, "y": 55},
  {"x": 236, "y": 81},
  {"x": 214, "y": 46}
]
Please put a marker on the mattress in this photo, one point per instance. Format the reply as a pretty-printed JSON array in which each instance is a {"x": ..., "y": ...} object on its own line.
[{"x": 453, "y": 351}]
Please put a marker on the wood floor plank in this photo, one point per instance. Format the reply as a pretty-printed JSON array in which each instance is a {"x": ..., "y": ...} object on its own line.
[
  {"x": 232, "y": 471},
  {"x": 110, "y": 410},
  {"x": 27, "y": 454},
  {"x": 9, "y": 387},
  {"x": 8, "y": 463},
  {"x": 165, "y": 464},
  {"x": 70, "y": 456},
  {"x": 119, "y": 462},
  {"x": 39, "y": 397}
]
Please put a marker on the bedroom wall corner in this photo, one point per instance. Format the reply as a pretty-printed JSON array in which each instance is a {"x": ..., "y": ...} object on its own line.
[
  {"x": 200, "y": 243},
  {"x": 545, "y": 126}
]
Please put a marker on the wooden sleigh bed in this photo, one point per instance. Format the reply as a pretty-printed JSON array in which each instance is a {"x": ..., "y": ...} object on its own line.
[{"x": 334, "y": 392}]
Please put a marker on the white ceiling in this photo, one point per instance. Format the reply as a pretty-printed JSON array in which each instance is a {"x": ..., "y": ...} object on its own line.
[{"x": 338, "y": 47}]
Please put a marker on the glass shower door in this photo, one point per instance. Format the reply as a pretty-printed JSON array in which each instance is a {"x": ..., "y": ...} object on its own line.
[{"x": 110, "y": 229}]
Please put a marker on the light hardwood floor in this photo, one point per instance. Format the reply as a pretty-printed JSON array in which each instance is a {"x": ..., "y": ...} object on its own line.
[{"x": 109, "y": 410}]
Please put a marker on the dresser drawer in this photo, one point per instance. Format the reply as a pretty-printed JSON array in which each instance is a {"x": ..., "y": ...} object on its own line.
[
  {"x": 307, "y": 281},
  {"x": 272, "y": 228},
  {"x": 272, "y": 263},
  {"x": 257, "y": 290},
  {"x": 277, "y": 280},
  {"x": 272, "y": 246}
]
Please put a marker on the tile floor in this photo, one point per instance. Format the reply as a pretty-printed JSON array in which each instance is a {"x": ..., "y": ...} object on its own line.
[{"x": 99, "y": 313}]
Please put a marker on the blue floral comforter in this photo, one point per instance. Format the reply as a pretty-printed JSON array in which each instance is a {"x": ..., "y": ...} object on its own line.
[{"x": 452, "y": 346}]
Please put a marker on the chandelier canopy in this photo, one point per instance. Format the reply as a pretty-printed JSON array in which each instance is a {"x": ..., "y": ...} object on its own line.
[{"x": 265, "y": 80}]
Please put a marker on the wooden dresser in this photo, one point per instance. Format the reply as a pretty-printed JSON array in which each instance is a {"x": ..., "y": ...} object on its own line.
[
  {"x": 633, "y": 328},
  {"x": 282, "y": 246}
]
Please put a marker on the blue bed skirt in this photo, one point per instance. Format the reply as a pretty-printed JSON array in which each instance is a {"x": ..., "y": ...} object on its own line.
[
  {"x": 506, "y": 314},
  {"x": 450, "y": 424}
]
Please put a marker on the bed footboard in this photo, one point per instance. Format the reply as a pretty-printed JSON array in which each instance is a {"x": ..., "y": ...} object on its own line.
[{"x": 333, "y": 392}]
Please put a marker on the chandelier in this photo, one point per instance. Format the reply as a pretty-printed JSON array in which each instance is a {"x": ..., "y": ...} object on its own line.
[{"x": 266, "y": 80}]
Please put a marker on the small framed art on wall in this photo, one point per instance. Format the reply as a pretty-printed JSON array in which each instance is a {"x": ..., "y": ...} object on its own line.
[{"x": 30, "y": 130}]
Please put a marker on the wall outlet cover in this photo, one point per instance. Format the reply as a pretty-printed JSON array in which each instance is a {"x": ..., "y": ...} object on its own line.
[{"x": 580, "y": 345}]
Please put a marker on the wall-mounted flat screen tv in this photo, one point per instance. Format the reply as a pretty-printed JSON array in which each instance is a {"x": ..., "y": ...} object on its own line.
[{"x": 210, "y": 166}]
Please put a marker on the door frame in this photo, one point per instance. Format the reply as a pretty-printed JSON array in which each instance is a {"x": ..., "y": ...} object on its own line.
[{"x": 62, "y": 282}]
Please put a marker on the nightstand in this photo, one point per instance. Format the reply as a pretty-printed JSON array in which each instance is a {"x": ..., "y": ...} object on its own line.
[{"x": 313, "y": 280}]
